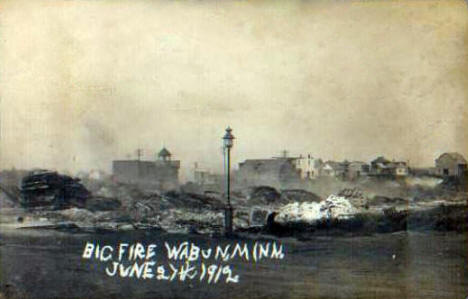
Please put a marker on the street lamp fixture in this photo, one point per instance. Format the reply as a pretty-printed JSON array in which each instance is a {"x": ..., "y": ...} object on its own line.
[{"x": 228, "y": 139}]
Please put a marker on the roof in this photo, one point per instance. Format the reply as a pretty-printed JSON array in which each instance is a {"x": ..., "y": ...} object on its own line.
[
  {"x": 454, "y": 156},
  {"x": 357, "y": 163},
  {"x": 381, "y": 159},
  {"x": 136, "y": 163},
  {"x": 382, "y": 165},
  {"x": 335, "y": 165},
  {"x": 251, "y": 161},
  {"x": 264, "y": 165},
  {"x": 132, "y": 162},
  {"x": 164, "y": 153}
]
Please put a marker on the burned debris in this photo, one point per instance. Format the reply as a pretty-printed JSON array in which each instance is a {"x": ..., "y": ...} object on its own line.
[
  {"x": 49, "y": 188},
  {"x": 351, "y": 192},
  {"x": 106, "y": 203}
]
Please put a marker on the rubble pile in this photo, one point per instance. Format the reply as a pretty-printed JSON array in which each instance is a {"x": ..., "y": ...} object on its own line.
[
  {"x": 263, "y": 195},
  {"x": 192, "y": 200},
  {"x": 102, "y": 204},
  {"x": 78, "y": 215},
  {"x": 299, "y": 195},
  {"x": 337, "y": 207},
  {"x": 65, "y": 202},
  {"x": 208, "y": 221},
  {"x": 267, "y": 196},
  {"x": 48, "y": 188},
  {"x": 334, "y": 207},
  {"x": 351, "y": 193}
]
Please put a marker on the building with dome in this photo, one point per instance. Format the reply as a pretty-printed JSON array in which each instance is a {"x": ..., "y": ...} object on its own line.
[{"x": 162, "y": 173}]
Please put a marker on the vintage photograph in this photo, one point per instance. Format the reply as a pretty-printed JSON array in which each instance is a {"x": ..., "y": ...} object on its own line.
[{"x": 256, "y": 149}]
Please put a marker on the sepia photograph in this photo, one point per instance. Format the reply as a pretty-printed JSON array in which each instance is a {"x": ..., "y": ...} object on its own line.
[{"x": 237, "y": 149}]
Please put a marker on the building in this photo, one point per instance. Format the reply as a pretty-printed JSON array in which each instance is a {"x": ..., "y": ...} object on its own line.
[
  {"x": 357, "y": 169},
  {"x": 304, "y": 164},
  {"x": 310, "y": 167},
  {"x": 334, "y": 169},
  {"x": 316, "y": 168},
  {"x": 380, "y": 166},
  {"x": 401, "y": 168},
  {"x": 450, "y": 164},
  {"x": 275, "y": 172},
  {"x": 386, "y": 168},
  {"x": 163, "y": 173}
]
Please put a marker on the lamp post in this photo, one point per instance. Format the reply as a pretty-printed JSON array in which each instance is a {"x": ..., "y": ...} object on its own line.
[{"x": 228, "y": 139}]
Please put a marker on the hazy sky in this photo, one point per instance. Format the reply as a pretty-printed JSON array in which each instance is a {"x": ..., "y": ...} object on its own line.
[{"x": 85, "y": 82}]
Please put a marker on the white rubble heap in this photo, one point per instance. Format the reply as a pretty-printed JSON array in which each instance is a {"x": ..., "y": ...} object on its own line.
[{"x": 334, "y": 207}]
